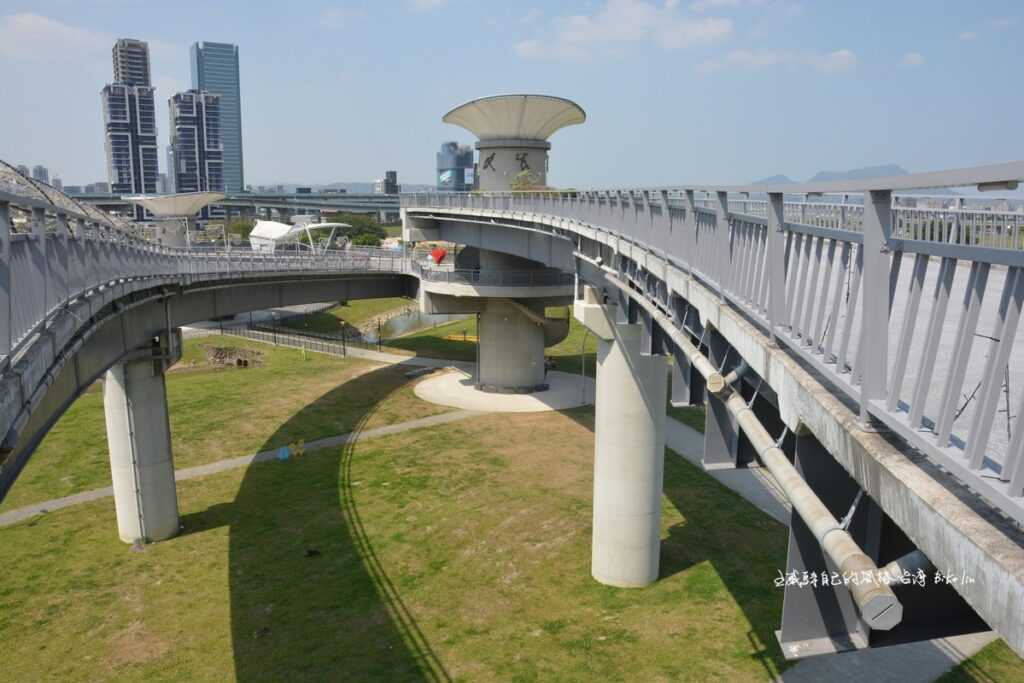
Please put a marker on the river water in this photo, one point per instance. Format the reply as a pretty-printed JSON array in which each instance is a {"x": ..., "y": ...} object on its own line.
[{"x": 410, "y": 322}]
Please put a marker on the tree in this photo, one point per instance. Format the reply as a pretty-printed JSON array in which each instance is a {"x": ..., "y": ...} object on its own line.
[
  {"x": 366, "y": 240},
  {"x": 241, "y": 227},
  {"x": 362, "y": 224}
]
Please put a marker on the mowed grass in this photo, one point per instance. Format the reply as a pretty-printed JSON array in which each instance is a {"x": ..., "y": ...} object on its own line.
[
  {"x": 995, "y": 662},
  {"x": 460, "y": 552},
  {"x": 228, "y": 412},
  {"x": 353, "y": 312}
]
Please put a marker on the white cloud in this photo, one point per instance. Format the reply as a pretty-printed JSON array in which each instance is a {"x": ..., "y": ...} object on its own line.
[
  {"x": 967, "y": 35},
  {"x": 829, "y": 62},
  {"x": 912, "y": 59},
  {"x": 41, "y": 39},
  {"x": 339, "y": 17},
  {"x": 623, "y": 21},
  {"x": 1002, "y": 23},
  {"x": 425, "y": 5}
]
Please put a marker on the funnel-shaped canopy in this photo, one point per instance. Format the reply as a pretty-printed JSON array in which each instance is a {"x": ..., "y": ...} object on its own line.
[
  {"x": 179, "y": 205},
  {"x": 531, "y": 117}
]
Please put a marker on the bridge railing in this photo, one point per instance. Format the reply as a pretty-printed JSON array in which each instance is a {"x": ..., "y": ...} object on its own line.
[
  {"x": 887, "y": 302},
  {"x": 53, "y": 252},
  {"x": 541, "y": 277}
]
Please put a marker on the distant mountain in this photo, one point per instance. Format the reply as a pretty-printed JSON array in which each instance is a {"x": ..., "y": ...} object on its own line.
[
  {"x": 884, "y": 171},
  {"x": 775, "y": 180}
]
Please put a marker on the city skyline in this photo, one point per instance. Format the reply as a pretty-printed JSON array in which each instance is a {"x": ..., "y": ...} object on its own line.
[{"x": 672, "y": 87}]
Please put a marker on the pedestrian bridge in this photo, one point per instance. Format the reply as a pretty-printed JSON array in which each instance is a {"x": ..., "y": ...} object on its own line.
[
  {"x": 853, "y": 326},
  {"x": 852, "y": 317}
]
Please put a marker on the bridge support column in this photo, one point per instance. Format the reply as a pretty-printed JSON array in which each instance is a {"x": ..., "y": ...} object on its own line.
[
  {"x": 687, "y": 382},
  {"x": 816, "y": 618},
  {"x": 511, "y": 349},
  {"x": 629, "y": 455},
  {"x": 139, "y": 440},
  {"x": 721, "y": 432}
]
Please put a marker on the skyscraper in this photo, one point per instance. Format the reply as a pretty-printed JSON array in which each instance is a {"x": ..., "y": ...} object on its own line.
[
  {"x": 129, "y": 114},
  {"x": 129, "y": 118},
  {"x": 195, "y": 156},
  {"x": 41, "y": 173},
  {"x": 131, "y": 62},
  {"x": 215, "y": 70}
]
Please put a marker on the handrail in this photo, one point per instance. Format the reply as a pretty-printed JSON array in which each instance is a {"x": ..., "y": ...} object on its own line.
[{"x": 832, "y": 283}]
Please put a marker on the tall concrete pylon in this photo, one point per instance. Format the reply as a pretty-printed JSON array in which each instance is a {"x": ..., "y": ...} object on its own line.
[
  {"x": 512, "y": 132},
  {"x": 629, "y": 448},
  {"x": 139, "y": 441}
]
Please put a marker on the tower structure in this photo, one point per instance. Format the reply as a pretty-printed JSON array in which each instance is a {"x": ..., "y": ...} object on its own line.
[{"x": 513, "y": 327}]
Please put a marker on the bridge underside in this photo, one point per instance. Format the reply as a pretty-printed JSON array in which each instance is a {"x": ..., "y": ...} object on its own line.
[
  {"x": 908, "y": 502},
  {"x": 102, "y": 329}
]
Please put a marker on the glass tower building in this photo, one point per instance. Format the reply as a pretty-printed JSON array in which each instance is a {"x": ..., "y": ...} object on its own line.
[
  {"x": 215, "y": 70},
  {"x": 455, "y": 167}
]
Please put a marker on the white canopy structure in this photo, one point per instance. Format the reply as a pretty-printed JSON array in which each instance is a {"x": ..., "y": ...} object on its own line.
[
  {"x": 176, "y": 205},
  {"x": 531, "y": 117},
  {"x": 266, "y": 235},
  {"x": 513, "y": 132},
  {"x": 181, "y": 206}
]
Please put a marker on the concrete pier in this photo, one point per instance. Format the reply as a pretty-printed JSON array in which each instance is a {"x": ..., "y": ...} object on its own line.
[
  {"x": 511, "y": 349},
  {"x": 629, "y": 453},
  {"x": 139, "y": 439}
]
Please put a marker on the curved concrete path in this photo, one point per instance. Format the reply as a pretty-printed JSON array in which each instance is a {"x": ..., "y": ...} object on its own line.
[{"x": 456, "y": 389}]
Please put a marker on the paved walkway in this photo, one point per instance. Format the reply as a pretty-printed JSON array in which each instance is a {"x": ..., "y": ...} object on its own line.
[{"x": 456, "y": 389}]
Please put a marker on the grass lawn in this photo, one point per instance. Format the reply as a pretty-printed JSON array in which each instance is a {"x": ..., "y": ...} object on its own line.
[
  {"x": 354, "y": 312},
  {"x": 229, "y": 412},
  {"x": 453, "y": 553},
  {"x": 393, "y": 230},
  {"x": 995, "y": 662}
]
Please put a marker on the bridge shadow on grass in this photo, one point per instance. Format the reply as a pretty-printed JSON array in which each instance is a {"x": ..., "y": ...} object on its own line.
[
  {"x": 309, "y": 599},
  {"x": 722, "y": 544}
]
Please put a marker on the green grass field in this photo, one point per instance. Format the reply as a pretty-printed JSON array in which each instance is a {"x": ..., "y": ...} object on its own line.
[
  {"x": 219, "y": 414},
  {"x": 453, "y": 553},
  {"x": 353, "y": 312}
]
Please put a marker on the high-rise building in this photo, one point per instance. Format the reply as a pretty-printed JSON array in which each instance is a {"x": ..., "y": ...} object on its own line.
[
  {"x": 41, "y": 173},
  {"x": 215, "y": 70},
  {"x": 388, "y": 184},
  {"x": 129, "y": 114},
  {"x": 129, "y": 117},
  {"x": 196, "y": 154},
  {"x": 57, "y": 183},
  {"x": 455, "y": 167},
  {"x": 131, "y": 62},
  {"x": 23, "y": 170}
]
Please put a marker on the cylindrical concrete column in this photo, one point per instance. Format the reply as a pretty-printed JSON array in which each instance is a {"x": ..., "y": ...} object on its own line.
[
  {"x": 511, "y": 349},
  {"x": 629, "y": 455},
  {"x": 139, "y": 440}
]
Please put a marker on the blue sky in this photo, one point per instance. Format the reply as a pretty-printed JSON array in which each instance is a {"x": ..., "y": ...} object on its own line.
[{"x": 701, "y": 91}]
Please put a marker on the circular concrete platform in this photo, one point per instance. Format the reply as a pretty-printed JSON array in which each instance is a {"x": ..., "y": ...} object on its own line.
[{"x": 455, "y": 388}]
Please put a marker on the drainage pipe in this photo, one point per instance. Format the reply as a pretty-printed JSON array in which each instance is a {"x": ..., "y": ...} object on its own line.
[{"x": 874, "y": 599}]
